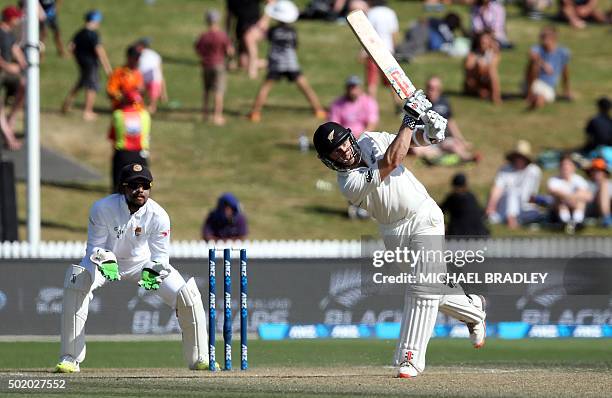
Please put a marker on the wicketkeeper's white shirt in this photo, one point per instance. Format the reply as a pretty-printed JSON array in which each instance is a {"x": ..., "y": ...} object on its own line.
[
  {"x": 135, "y": 239},
  {"x": 397, "y": 197}
]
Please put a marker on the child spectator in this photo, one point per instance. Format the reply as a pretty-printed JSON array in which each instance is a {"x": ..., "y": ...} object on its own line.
[
  {"x": 599, "y": 130},
  {"x": 355, "y": 109},
  {"x": 571, "y": 195},
  {"x": 88, "y": 52},
  {"x": 150, "y": 67},
  {"x": 125, "y": 79},
  {"x": 490, "y": 15},
  {"x": 515, "y": 184},
  {"x": 577, "y": 12},
  {"x": 462, "y": 207},
  {"x": 547, "y": 62},
  {"x": 282, "y": 59},
  {"x": 600, "y": 187},
  {"x": 212, "y": 47},
  {"x": 226, "y": 222},
  {"x": 482, "y": 68}
]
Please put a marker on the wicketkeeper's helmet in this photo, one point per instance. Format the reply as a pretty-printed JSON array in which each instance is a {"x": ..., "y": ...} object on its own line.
[{"x": 330, "y": 136}]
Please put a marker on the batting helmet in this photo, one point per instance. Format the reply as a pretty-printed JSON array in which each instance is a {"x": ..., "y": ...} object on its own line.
[{"x": 330, "y": 136}]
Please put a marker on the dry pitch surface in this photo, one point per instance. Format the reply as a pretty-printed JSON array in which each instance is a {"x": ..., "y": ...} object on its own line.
[{"x": 329, "y": 382}]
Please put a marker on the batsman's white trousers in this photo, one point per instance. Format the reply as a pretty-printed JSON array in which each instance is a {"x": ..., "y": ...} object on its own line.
[{"x": 425, "y": 230}]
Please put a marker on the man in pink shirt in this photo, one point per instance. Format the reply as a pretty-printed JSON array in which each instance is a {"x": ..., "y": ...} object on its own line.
[{"x": 355, "y": 109}]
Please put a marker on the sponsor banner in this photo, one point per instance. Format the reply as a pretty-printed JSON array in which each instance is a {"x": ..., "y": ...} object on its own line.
[{"x": 325, "y": 292}]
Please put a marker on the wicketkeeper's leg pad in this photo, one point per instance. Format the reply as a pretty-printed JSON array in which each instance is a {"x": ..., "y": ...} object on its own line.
[
  {"x": 192, "y": 319},
  {"x": 77, "y": 286},
  {"x": 460, "y": 306}
]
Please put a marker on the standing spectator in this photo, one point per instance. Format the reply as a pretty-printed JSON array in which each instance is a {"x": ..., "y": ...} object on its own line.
[
  {"x": 577, "y": 12},
  {"x": 599, "y": 128},
  {"x": 490, "y": 15},
  {"x": 547, "y": 62},
  {"x": 384, "y": 21},
  {"x": 12, "y": 63},
  {"x": 282, "y": 59},
  {"x": 88, "y": 52},
  {"x": 515, "y": 184},
  {"x": 125, "y": 79},
  {"x": 462, "y": 207},
  {"x": 482, "y": 69},
  {"x": 51, "y": 9},
  {"x": 150, "y": 67},
  {"x": 454, "y": 142},
  {"x": 600, "y": 187},
  {"x": 226, "y": 222},
  {"x": 355, "y": 109},
  {"x": 130, "y": 134},
  {"x": 212, "y": 47},
  {"x": 571, "y": 194}
]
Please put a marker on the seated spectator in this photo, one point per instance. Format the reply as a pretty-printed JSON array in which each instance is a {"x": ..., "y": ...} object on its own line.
[
  {"x": 462, "y": 207},
  {"x": 355, "y": 109},
  {"x": 454, "y": 143},
  {"x": 490, "y": 15},
  {"x": 600, "y": 186},
  {"x": 534, "y": 9},
  {"x": 547, "y": 62},
  {"x": 515, "y": 183},
  {"x": 571, "y": 195},
  {"x": 577, "y": 12},
  {"x": 433, "y": 34},
  {"x": 226, "y": 222},
  {"x": 481, "y": 68},
  {"x": 125, "y": 79},
  {"x": 599, "y": 129}
]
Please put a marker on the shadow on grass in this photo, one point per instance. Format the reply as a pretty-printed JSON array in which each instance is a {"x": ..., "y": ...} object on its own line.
[
  {"x": 326, "y": 210},
  {"x": 507, "y": 96},
  {"x": 57, "y": 225},
  {"x": 169, "y": 59},
  {"x": 79, "y": 186}
]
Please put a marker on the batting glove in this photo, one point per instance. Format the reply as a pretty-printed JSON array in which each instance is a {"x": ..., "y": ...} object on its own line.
[
  {"x": 434, "y": 126},
  {"x": 106, "y": 262},
  {"x": 417, "y": 104},
  {"x": 152, "y": 276}
]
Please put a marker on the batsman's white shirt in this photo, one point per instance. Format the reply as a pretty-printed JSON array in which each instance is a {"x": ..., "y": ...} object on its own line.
[
  {"x": 136, "y": 239},
  {"x": 398, "y": 197}
]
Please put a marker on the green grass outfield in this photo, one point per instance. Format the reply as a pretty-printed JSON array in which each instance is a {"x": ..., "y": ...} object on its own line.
[{"x": 305, "y": 368}]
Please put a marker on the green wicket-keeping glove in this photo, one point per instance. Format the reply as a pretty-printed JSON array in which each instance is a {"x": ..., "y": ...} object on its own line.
[
  {"x": 152, "y": 276},
  {"x": 106, "y": 262}
]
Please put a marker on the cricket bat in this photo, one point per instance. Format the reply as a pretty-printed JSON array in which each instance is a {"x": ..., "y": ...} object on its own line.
[{"x": 373, "y": 44}]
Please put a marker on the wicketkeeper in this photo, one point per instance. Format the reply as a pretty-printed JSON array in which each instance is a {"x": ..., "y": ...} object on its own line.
[
  {"x": 371, "y": 176},
  {"x": 128, "y": 239}
]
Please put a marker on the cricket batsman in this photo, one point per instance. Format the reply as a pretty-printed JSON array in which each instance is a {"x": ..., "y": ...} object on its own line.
[
  {"x": 129, "y": 238},
  {"x": 371, "y": 175}
]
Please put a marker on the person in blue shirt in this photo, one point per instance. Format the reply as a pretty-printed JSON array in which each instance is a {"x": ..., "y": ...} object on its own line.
[{"x": 227, "y": 221}]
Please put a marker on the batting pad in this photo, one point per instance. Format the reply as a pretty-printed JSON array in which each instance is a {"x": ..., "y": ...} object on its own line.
[
  {"x": 77, "y": 284},
  {"x": 191, "y": 317},
  {"x": 464, "y": 308},
  {"x": 417, "y": 327}
]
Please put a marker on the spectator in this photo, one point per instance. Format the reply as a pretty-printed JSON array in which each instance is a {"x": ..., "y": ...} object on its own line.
[
  {"x": 600, "y": 187},
  {"x": 125, "y": 79},
  {"x": 534, "y": 9},
  {"x": 226, "y": 222},
  {"x": 355, "y": 110},
  {"x": 129, "y": 133},
  {"x": 462, "y": 207},
  {"x": 599, "y": 129},
  {"x": 51, "y": 9},
  {"x": 547, "y": 62},
  {"x": 88, "y": 53},
  {"x": 212, "y": 47},
  {"x": 150, "y": 67},
  {"x": 577, "y": 12},
  {"x": 384, "y": 21},
  {"x": 515, "y": 184},
  {"x": 490, "y": 15},
  {"x": 570, "y": 193},
  {"x": 282, "y": 59},
  {"x": 454, "y": 143},
  {"x": 481, "y": 68},
  {"x": 12, "y": 63}
]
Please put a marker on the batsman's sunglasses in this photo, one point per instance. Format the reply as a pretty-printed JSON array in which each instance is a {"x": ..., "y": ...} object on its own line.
[{"x": 135, "y": 185}]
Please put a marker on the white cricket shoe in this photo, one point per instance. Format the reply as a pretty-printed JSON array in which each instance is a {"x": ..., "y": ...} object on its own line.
[
  {"x": 478, "y": 331},
  {"x": 406, "y": 371},
  {"x": 67, "y": 364}
]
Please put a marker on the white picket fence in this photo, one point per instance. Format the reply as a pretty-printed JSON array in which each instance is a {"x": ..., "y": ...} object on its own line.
[{"x": 552, "y": 247}]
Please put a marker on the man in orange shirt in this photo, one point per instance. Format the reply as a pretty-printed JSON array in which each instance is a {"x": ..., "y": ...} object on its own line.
[{"x": 125, "y": 79}]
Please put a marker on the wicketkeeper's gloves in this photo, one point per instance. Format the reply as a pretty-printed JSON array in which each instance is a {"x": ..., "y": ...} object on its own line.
[
  {"x": 106, "y": 262},
  {"x": 152, "y": 276}
]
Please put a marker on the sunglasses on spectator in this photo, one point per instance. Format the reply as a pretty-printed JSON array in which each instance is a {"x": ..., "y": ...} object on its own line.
[{"x": 135, "y": 185}]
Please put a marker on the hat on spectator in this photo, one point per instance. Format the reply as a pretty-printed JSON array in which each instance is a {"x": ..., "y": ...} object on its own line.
[
  {"x": 283, "y": 11},
  {"x": 213, "y": 16},
  {"x": 598, "y": 164},
  {"x": 353, "y": 80},
  {"x": 459, "y": 180},
  {"x": 522, "y": 149},
  {"x": 11, "y": 12},
  {"x": 93, "y": 16}
]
